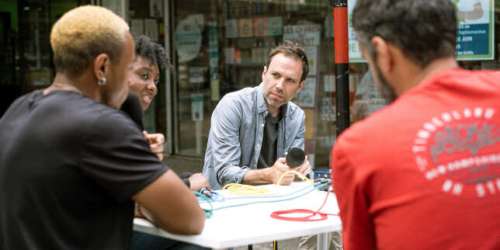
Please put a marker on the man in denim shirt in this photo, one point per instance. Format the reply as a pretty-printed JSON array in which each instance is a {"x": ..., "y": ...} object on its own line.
[{"x": 253, "y": 128}]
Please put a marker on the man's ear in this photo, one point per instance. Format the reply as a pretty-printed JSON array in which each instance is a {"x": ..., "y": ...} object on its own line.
[
  {"x": 301, "y": 86},
  {"x": 101, "y": 66},
  {"x": 385, "y": 57}
]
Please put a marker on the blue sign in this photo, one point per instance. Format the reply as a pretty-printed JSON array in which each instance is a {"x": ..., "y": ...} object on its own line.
[
  {"x": 475, "y": 29},
  {"x": 475, "y": 38}
]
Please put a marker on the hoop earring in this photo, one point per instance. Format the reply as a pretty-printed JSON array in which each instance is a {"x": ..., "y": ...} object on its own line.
[{"x": 101, "y": 82}]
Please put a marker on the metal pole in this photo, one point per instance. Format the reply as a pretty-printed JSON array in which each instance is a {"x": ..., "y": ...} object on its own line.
[
  {"x": 169, "y": 80},
  {"x": 341, "y": 50}
]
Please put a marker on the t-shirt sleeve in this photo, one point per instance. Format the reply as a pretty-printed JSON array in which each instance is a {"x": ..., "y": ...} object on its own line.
[
  {"x": 117, "y": 156},
  {"x": 357, "y": 226}
]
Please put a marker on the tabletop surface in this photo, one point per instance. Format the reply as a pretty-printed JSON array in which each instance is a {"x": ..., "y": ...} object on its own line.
[{"x": 239, "y": 221}]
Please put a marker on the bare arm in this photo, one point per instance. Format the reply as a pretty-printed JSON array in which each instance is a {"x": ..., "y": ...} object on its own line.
[
  {"x": 269, "y": 175},
  {"x": 172, "y": 205}
]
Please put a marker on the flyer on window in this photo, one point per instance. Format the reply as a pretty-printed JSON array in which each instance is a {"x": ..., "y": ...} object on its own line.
[{"x": 475, "y": 34}]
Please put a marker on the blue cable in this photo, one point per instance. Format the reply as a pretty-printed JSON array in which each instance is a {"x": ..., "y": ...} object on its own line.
[{"x": 264, "y": 199}]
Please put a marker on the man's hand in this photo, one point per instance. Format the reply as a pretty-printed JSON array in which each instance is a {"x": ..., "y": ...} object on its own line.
[
  {"x": 198, "y": 181},
  {"x": 156, "y": 143},
  {"x": 270, "y": 175},
  {"x": 305, "y": 168},
  {"x": 277, "y": 171}
]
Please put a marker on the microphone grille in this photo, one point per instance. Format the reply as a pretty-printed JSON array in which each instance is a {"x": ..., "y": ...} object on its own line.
[{"x": 295, "y": 157}]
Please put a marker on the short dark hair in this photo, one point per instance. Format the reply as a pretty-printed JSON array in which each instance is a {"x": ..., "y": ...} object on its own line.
[
  {"x": 148, "y": 49},
  {"x": 291, "y": 49},
  {"x": 425, "y": 30}
]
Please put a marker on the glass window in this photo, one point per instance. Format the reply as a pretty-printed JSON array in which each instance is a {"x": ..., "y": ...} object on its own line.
[
  {"x": 35, "y": 55},
  {"x": 147, "y": 18},
  {"x": 220, "y": 46},
  {"x": 35, "y": 49},
  {"x": 26, "y": 55},
  {"x": 197, "y": 31},
  {"x": 217, "y": 54}
]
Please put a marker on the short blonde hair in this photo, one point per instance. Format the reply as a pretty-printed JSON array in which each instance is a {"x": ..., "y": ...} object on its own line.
[{"x": 84, "y": 32}]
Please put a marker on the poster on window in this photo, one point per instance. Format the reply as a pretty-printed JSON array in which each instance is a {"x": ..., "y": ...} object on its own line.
[
  {"x": 312, "y": 59},
  {"x": 307, "y": 96},
  {"x": 197, "y": 107},
  {"x": 305, "y": 35},
  {"x": 151, "y": 29},
  {"x": 113, "y": 5},
  {"x": 137, "y": 27},
  {"x": 188, "y": 37},
  {"x": 475, "y": 34},
  {"x": 156, "y": 8},
  {"x": 354, "y": 51}
]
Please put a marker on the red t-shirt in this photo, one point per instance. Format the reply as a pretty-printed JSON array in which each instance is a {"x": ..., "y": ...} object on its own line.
[{"x": 424, "y": 172}]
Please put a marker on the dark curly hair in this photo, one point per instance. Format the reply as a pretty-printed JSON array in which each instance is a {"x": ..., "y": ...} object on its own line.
[{"x": 148, "y": 49}]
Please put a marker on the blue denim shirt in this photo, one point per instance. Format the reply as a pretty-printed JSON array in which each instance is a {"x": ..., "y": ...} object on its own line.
[{"x": 236, "y": 134}]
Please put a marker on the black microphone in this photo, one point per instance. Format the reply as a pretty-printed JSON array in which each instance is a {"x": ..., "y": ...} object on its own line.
[
  {"x": 295, "y": 157},
  {"x": 132, "y": 107}
]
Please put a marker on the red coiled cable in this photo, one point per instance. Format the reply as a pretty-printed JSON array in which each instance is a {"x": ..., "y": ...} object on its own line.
[{"x": 313, "y": 215}]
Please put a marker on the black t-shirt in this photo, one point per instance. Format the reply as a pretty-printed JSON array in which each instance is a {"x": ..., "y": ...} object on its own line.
[
  {"x": 268, "y": 150},
  {"x": 68, "y": 169}
]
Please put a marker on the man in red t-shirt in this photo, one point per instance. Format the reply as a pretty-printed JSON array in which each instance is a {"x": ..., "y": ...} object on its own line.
[{"x": 424, "y": 172}]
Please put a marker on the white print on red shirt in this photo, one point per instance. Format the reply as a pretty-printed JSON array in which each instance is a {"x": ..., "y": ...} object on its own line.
[{"x": 461, "y": 149}]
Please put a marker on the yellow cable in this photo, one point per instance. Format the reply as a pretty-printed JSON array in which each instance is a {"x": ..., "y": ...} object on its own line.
[
  {"x": 300, "y": 175},
  {"x": 242, "y": 189}
]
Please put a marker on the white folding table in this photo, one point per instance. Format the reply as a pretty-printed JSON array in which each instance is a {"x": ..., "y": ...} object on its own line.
[{"x": 252, "y": 223}]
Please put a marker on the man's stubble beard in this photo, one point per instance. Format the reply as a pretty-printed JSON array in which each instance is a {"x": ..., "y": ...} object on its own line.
[{"x": 383, "y": 86}]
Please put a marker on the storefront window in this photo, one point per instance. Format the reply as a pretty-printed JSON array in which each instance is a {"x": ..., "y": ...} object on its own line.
[
  {"x": 35, "y": 48},
  {"x": 147, "y": 18},
  {"x": 26, "y": 56},
  {"x": 217, "y": 54},
  {"x": 478, "y": 43},
  {"x": 34, "y": 53},
  {"x": 221, "y": 46},
  {"x": 195, "y": 28}
]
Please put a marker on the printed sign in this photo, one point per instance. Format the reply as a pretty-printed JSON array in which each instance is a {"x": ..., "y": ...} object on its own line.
[
  {"x": 188, "y": 38},
  {"x": 275, "y": 26},
  {"x": 306, "y": 97},
  {"x": 354, "y": 51},
  {"x": 306, "y": 35},
  {"x": 475, "y": 36},
  {"x": 197, "y": 107}
]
